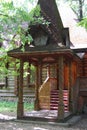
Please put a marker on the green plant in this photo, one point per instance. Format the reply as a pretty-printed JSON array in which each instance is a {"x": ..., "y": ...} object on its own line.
[{"x": 10, "y": 106}]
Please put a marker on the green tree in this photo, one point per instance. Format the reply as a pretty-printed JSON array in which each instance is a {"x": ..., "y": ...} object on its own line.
[
  {"x": 14, "y": 21},
  {"x": 15, "y": 18},
  {"x": 78, "y": 6}
]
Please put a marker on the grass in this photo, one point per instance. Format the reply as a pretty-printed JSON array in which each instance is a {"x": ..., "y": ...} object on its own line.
[{"x": 9, "y": 106}]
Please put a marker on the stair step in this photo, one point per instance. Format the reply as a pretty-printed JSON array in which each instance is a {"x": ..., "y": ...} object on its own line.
[
  {"x": 56, "y": 108},
  {"x": 64, "y": 91},
  {"x": 54, "y": 96},
  {"x": 53, "y": 105},
  {"x": 64, "y": 94},
  {"x": 54, "y": 100}
]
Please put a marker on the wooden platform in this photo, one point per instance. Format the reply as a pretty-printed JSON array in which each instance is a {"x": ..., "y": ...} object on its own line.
[{"x": 44, "y": 115}]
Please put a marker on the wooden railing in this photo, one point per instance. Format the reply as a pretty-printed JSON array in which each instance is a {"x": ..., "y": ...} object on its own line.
[{"x": 44, "y": 92}]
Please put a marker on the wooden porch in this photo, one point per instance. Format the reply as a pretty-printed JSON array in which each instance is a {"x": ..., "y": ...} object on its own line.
[
  {"x": 49, "y": 50},
  {"x": 58, "y": 83}
]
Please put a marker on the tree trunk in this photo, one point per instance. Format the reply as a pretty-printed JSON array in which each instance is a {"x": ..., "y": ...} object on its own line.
[{"x": 81, "y": 9}]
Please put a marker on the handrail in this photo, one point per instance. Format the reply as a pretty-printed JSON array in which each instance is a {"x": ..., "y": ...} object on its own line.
[{"x": 44, "y": 93}]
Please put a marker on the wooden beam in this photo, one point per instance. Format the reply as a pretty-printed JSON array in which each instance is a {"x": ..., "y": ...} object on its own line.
[{"x": 20, "y": 108}]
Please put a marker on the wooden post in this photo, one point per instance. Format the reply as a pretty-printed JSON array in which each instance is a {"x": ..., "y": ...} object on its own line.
[
  {"x": 16, "y": 81},
  {"x": 28, "y": 77},
  {"x": 6, "y": 78},
  {"x": 61, "y": 86},
  {"x": 20, "y": 109},
  {"x": 71, "y": 88},
  {"x": 68, "y": 83},
  {"x": 48, "y": 71},
  {"x": 38, "y": 84},
  {"x": 57, "y": 69},
  {"x": 40, "y": 74},
  {"x": 36, "y": 104}
]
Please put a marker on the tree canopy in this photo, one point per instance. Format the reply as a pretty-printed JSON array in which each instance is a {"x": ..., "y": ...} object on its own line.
[
  {"x": 80, "y": 9},
  {"x": 15, "y": 18},
  {"x": 78, "y": 6}
]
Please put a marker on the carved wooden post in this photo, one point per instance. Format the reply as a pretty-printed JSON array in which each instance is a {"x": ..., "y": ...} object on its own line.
[
  {"x": 61, "y": 87},
  {"x": 36, "y": 104},
  {"x": 71, "y": 87},
  {"x": 20, "y": 109}
]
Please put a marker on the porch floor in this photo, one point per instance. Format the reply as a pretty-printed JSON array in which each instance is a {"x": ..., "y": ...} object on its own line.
[{"x": 45, "y": 115}]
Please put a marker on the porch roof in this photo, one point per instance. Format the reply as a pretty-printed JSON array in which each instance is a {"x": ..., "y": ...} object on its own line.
[
  {"x": 55, "y": 46},
  {"x": 45, "y": 54}
]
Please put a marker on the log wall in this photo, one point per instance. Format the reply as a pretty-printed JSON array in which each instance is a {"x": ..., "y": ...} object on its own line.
[
  {"x": 84, "y": 63},
  {"x": 83, "y": 66}
]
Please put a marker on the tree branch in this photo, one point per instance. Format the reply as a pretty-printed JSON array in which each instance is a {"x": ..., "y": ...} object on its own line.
[{"x": 4, "y": 15}]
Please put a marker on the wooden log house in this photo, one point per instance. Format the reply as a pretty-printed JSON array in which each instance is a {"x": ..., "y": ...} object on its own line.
[{"x": 57, "y": 66}]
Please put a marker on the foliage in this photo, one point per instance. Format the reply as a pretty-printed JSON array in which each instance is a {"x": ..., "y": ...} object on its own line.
[
  {"x": 78, "y": 6},
  {"x": 10, "y": 106},
  {"x": 80, "y": 9},
  {"x": 83, "y": 23},
  {"x": 15, "y": 19}
]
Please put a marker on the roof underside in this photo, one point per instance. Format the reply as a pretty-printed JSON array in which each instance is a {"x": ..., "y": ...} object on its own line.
[{"x": 45, "y": 56}]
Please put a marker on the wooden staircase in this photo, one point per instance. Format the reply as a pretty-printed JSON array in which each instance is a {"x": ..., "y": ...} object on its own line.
[{"x": 54, "y": 100}]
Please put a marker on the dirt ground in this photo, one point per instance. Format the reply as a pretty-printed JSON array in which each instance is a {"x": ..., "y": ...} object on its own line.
[{"x": 11, "y": 125}]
